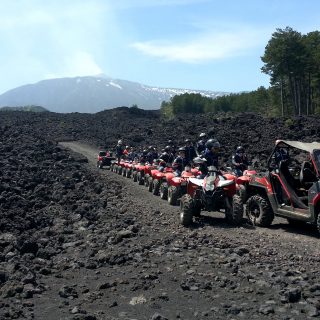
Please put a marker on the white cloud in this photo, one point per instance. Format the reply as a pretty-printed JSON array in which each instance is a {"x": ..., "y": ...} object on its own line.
[
  {"x": 205, "y": 47},
  {"x": 78, "y": 64}
]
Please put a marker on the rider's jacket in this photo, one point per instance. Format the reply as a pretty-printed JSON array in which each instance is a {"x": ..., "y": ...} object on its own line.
[
  {"x": 212, "y": 158},
  {"x": 152, "y": 155},
  {"x": 201, "y": 146},
  {"x": 165, "y": 157},
  {"x": 240, "y": 161},
  {"x": 179, "y": 163},
  {"x": 190, "y": 153},
  {"x": 119, "y": 150}
]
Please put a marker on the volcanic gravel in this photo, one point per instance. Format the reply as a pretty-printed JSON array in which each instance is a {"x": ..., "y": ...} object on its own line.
[{"x": 82, "y": 243}]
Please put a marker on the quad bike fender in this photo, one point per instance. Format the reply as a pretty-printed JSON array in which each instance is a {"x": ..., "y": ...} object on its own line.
[
  {"x": 197, "y": 182},
  {"x": 243, "y": 180},
  {"x": 195, "y": 171},
  {"x": 249, "y": 172},
  {"x": 230, "y": 176},
  {"x": 175, "y": 181},
  {"x": 169, "y": 176}
]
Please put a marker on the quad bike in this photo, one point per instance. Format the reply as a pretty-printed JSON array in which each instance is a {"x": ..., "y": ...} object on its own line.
[
  {"x": 147, "y": 172},
  {"x": 242, "y": 183},
  {"x": 290, "y": 188},
  {"x": 213, "y": 193},
  {"x": 159, "y": 177},
  {"x": 127, "y": 170},
  {"x": 177, "y": 186},
  {"x": 104, "y": 159},
  {"x": 138, "y": 173}
]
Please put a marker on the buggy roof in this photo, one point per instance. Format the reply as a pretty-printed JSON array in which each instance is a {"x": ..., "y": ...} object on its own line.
[{"x": 305, "y": 146}]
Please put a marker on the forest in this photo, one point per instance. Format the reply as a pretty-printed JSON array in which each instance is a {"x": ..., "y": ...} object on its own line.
[{"x": 292, "y": 60}]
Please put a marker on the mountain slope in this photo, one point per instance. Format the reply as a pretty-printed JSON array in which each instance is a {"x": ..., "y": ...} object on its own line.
[{"x": 91, "y": 94}]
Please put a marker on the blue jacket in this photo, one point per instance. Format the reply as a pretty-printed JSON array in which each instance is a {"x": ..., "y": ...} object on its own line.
[{"x": 212, "y": 158}]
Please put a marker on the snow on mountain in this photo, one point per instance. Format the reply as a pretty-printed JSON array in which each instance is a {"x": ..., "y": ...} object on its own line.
[{"x": 92, "y": 94}]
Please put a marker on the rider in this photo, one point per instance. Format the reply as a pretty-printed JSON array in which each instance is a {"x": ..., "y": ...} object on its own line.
[
  {"x": 143, "y": 156},
  {"x": 211, "y": 154},
  {"x": 190, "y": 150},
  {"x": 180, "y": 161},
  {"x": 201, "y": 145},
  {"x": 132, "y": 154},
  {"x": 240, "y": 161},
  {"x": 119, "y": 150},
  {"x": 152, "y": 154}
]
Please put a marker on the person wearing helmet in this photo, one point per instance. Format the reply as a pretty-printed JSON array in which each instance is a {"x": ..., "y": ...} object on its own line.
[
  {"x": 119, "y": 150},
  {"x": 152, "y": 154},
  {"x": 211, "y": 153},
  {"x": 172, "y": 147},
  {"x": 190, "y": 150},
  {"x": 201, "y": 145},
  {"x": 132, "y": 154},
  {"x": 239, "y": 161},
  {"x": 143, "y": 156},
  {"x": 180, "y": 161}
]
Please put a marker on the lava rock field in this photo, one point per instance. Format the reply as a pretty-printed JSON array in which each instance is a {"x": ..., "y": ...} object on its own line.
[{"x": 81, "y": 243}]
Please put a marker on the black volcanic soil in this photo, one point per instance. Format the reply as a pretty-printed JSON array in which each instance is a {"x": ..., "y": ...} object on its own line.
[{"x": 77, "y": 243}]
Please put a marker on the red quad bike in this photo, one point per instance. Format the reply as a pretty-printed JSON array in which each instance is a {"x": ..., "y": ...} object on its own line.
[
  {"x": 157, "y": 178},
  {"x": 127, "y": 170},
  {"x": 104, "y": 160},
  {"x": 138, "y": 173},
  {"x": 290, "y": 188},
  {"x": 177, "y": 186},
  {"x": 215, "y": 192},
  {"x": 120, "y": 167},
  {"x": 147, "y": 172},
  {"x": 242, "y": 183}
]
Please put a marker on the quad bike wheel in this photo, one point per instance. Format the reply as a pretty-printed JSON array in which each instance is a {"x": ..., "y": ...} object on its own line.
[
  {"x": 173, "y": 195},
  {"x": 140, "y": 178},
  {"x": 128, "y": 173},
  {"x": 318, "y": 222},
  {"x": 156, "y": 187},
  {"x": 164, "y": 191},
  {"x": 242, "y": 192},
  {"x": 150, "y": 186},
  {"x": 259, "y": 211},
  {"x": 124, "y": 172},
  {"x": 186, "y": 210},
  {"x": 234, "y": 210},
  {"x": 115, "y": 168},
  {"x": 120, "y": 170},
  {"x": 146, "y": 180},
  {"x": 134, "y": 176}
]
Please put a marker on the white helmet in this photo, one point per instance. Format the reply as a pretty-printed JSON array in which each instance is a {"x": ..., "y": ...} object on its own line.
[{"x": 120, "y": 142}]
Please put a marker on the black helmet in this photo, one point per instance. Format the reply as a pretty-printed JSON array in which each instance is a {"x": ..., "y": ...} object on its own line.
[
  {"x": 240, "y": 149},
  {"x": 167, "y": 148},
  {"x": 182, "y": 149},
  {"x": 212, "y": 143},
  {"x": 202, "y": 135},
  {"x": 144, "y": 152},
  {"x": 170, "y": 142},
  {"x": 187, "y": 140}
]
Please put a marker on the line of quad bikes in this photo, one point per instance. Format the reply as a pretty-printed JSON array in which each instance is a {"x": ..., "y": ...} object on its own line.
[
  {"x": 291, "y": 191},
  {"x": 217, "y": 191}
]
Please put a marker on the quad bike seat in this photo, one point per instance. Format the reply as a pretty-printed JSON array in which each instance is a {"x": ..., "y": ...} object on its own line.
[
  {"x": 290, "y": 185},
  {"x": 307, "y": 175}
]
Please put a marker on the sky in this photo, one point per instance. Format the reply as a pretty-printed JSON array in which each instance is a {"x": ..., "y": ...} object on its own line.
[{"x": 194, "y": 44}]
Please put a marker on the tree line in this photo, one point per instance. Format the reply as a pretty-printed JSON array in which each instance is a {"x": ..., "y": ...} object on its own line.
[{"x": 292, "y": 60}]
